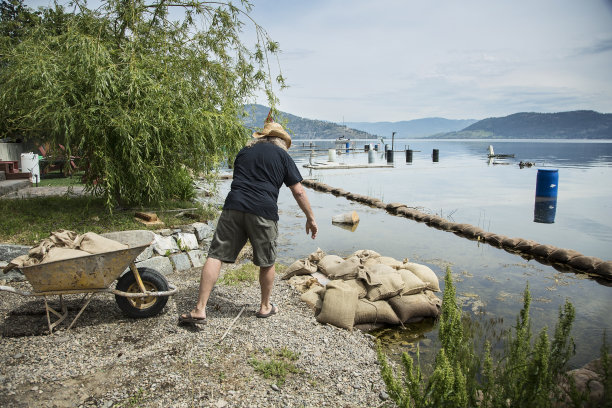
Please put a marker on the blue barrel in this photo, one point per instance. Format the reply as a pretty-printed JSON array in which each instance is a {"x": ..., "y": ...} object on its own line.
[{"x": 547, "y": 183}]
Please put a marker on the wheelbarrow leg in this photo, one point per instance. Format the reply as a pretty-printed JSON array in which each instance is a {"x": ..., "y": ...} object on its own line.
[
  {"x": 61, "y": 316},
  {"x": 91, "y": 295}
]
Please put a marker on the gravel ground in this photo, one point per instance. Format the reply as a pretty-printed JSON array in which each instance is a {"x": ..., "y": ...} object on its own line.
[{"x": 108, "y": 360}]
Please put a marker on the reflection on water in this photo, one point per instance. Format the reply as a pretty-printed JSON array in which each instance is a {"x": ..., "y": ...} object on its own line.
[
  {"x": 545, "y": 209},
  {"x": 348, "y": 227}
]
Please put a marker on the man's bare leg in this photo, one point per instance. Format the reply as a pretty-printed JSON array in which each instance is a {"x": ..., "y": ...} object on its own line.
[
  {"x": 266, "y": 282},
  {"x": 210, "y": 274}
]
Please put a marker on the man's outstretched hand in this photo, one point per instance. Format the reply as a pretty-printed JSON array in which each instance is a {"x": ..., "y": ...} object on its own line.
[{"x": 311, "y": 228}]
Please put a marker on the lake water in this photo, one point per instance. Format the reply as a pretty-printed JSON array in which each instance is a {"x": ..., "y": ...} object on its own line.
[{"x": 465, "y": 186}]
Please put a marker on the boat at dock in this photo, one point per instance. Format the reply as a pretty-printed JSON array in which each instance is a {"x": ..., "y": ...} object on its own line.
[{"x": 342, "y": 142}]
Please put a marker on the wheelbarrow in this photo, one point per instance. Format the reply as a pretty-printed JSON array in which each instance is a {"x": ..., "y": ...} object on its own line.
[{"x": 143, "y": 292}]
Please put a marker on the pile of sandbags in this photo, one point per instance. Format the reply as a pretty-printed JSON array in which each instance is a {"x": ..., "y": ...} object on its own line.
[{"x": 365, "y": 289}]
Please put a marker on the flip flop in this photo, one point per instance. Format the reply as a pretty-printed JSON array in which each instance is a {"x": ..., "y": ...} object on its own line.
[
  {"x": 189, "y": 319},
  {"x": 272, "y": 311}
]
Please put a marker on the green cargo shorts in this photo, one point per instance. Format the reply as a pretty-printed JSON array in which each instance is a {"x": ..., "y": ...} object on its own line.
[{"x": 234, "y": 228}]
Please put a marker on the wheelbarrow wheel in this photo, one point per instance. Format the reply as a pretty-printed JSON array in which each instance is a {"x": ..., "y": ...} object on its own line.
[{"x": 140, "y": 307}]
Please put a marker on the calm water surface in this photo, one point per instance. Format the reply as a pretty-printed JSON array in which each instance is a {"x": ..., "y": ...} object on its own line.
[{"x": 466, "y": 187}]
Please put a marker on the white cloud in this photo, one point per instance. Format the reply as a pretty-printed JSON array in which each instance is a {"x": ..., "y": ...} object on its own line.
[{"x": 399, "y": 60}]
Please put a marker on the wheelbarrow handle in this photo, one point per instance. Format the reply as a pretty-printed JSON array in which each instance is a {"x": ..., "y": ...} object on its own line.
[{"x": 16, "y": 291}]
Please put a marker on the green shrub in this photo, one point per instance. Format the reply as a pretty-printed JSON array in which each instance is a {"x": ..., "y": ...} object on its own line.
[{"x": 527, "y": 374}]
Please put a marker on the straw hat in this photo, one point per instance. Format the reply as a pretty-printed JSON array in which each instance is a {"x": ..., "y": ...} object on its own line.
[{"x": 276, "y": 130}]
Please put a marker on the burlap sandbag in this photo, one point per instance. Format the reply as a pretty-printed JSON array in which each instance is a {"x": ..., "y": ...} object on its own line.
[
  {"x": 425, "y": 274},
  {"x": 562, "y": 255},
  {"x": 365, "y": 254},
  {"x": 389, "y": 261},
  {"x": 357, "y": 286},
  {"x": 391, "y": 285},
  {"x": 604, "y": 269},
  {"x": 584, "y": 263},
  {"x": 408, "y": 307},
  {"x": 61, "y": 238},
  {"x": 64, "y": 238},
  {"x": 96, "y": 244},
  {"x": 375, "y": 312},
  {"x": 412, "y": 283},
  {"x": 300, "y": 267},
  {"x": 370, "y": 262},
  {"x": 313, "y": 298},
  {"x": 328, "y": 261},
  {"x": 378, "y": 268},
  {"x": 59, "y": 254},
  {"x": 525, "y": 245},
  {"x": 303, "y": 282},
  {"x": 510, "y": 243},
  {"x": 444, "y": 225},
  {"x": 495, "y": 240},
  {"x": 339, "y": 305},
  {"x": 368, "y": 278},
  {"x": 406, "y": 212},
  {"x": 434, "y": 299},
  {"x": 392, "y": 207},
  {"x": 316, "y": 256},
  {"x": 542, "y": 251},
  {"x": 347, "y": 269}
]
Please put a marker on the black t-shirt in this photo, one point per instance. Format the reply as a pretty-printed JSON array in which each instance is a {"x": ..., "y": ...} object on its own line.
[{"x": 259, "y": 173}]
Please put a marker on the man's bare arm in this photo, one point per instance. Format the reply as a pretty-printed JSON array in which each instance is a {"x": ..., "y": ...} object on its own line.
[{"x": 302, "y": 199}]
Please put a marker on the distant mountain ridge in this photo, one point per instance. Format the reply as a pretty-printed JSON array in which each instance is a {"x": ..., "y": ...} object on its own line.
[
  {"x": 582, "y": 124},
  {"x": 302, "y": 128},
  {"x": 415, "y": 128}
]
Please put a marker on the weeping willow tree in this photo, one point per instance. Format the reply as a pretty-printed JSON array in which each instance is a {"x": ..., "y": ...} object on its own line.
[{"x": 144, "y": 93}]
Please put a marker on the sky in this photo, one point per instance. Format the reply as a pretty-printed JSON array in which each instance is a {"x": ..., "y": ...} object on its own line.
[
  {"x": 387, "y": 60},
  {"x": 394, "y": 60}
]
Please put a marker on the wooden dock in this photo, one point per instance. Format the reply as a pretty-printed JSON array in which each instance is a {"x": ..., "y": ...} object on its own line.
[{"x": 333, "y": 165}]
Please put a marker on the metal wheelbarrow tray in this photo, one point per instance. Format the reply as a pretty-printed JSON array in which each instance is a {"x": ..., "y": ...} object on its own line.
[{"x": 141, "y": 293}]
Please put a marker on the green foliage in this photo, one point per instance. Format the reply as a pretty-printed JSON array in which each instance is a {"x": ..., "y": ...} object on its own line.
[
  {"x": 142, "y": 102},
  {"x": 278, "y": 366},
  {"x": 528, "y": 374}
]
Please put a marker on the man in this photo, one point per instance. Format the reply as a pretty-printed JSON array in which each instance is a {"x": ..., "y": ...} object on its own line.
[{"x": 251, "y": 212}]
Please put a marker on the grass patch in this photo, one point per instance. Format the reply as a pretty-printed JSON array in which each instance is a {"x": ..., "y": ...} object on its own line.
[
  {"x": 245, "y": 273},
  {"x": 57, "y": 180},
  {"x": 279, "y": 365},
  {"x": 26, "y": 221}
]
